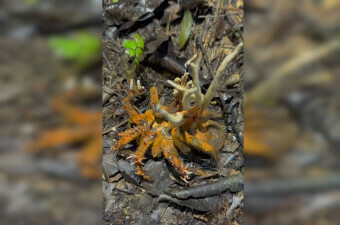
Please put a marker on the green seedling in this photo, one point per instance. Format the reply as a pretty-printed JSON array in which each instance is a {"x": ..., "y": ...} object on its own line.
[
  {"x": 81, "y": 47},
  {"x": 134, "y": 48}
]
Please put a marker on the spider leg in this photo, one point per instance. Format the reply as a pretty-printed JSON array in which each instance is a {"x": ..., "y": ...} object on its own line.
[
  {"x": 90, "y": 157},
  {"x": 128, "y": 136},
  {"x": 200, "y": 145},
  {"x": 171, "y": 154},
  {"x": 157, "y": 147},
  {"x": 154, "y": 100},
  {"x": 135, "y": 117},
  {"x": 59, "y": 137},
  {"x": 149, "y": 116},
  {"x": 154, "y": 97},
  {"x": 195, "y": 143},
  {"x": 146, "y": 141},
  {"x": 176, "y": 137}
]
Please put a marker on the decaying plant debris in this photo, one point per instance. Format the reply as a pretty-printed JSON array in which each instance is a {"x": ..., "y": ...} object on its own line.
[{"x": 202, "y": 74}]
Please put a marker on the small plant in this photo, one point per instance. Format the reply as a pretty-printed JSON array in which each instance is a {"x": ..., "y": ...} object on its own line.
[
  {"x": 80, "y": 48},
  {"x": 134, "y": 48}
]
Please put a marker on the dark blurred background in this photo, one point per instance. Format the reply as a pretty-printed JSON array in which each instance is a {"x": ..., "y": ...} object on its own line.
[
  {"x": 291, "y": 112},
  {"x": 50, "y": 71}
]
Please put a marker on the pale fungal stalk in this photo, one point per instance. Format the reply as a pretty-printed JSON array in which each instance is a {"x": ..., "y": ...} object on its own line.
[
  {"x": 176, "y": 119},
  {"x": 214, "y": 84},
  {"x": 131, "y": 85},
  {"x": 177, "y": 86},
  {"x": 195, "y": 80},
  {"x": 195, "y": 93},
  {"x": 139, "y": 86},
  {"x": 188, "y": 95}
]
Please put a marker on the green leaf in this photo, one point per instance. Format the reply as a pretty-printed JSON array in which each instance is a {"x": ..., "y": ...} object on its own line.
[
  {"x": 129, "y": 44},
  {"x": 186, "y": 25},
  {"x": 136, "y": 61},
  {"x": 115, "y": 1},
  {"x": 81, "y": 47},
  {"x": 140, "y": 42},
  {"x": 130, "y": 52},
  {"x": 139, "y": 53}
]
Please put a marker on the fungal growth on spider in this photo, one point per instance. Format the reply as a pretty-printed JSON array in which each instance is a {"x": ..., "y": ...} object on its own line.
[{"x": 185, "y": 125}]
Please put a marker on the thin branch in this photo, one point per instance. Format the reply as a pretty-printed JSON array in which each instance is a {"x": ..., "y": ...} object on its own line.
[
  {"x": 223, "y": 15},
  {"x": 115, "y": 127},
  {"x": 288, "y": 69}
]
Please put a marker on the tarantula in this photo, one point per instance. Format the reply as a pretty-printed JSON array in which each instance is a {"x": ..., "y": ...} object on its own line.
[
  {"x": 188, "y": 127},
  {"x": 162, "y": 136}
]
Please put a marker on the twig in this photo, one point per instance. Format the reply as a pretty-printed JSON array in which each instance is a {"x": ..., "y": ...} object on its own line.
[
  {"x": 201, "y": 218},
  {"x": 167, "y": 30},
  {"x": 228, "y": 160},
  {"x": 111, "y": 92},
  {"x": 237, "y": 199},
  {"x": 217, "y": 10},
  {"x": 107, "y": 61},
  {"x": 200, "y": 204},
  {"x": 287, "y": 70},
  {"x": 232, "y": 183},
  {"x": 223, "y": 15},
  {"x": 125, "y": 191},
  {"x": 289, "y": 186},
  {"x": 192, "y": 217},
  {"x": 115, "y": 127},
  {"x": 205, "y": 41},
  {"x": 162, "y": 215}
]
